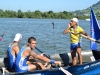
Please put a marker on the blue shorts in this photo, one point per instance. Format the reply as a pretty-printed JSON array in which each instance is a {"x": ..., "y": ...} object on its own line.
[
  {"x": 74, "y": 46},
  {"x": 21, "y": 68}
]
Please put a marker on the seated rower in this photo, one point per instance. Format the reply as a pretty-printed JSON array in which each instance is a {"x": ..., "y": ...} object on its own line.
[
  {"x": 21, "y": 64},
  {"x": 13, "y": 50}
]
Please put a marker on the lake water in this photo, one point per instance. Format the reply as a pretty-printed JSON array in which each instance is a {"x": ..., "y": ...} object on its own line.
[{"x": 49, "y": 40}]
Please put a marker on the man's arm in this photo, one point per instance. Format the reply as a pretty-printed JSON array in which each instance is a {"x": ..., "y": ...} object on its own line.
[
  {"x": 87, "y": 36},
  {"x": 43, "y": 58},
  {"x": 32, "y": 53},
  {"x": 67, "y": 29}
]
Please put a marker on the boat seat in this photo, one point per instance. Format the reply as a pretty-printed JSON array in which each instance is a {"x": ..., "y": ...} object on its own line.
[
  {"x": 4, "y": 62},
  {"x": 64, "y": 58},
  {"x": 6, "y": 65}
]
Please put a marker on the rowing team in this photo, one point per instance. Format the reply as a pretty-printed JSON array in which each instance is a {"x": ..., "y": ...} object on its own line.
[
  {"x": 23, "y": 60},
  {"x": 20, "y": 59}
]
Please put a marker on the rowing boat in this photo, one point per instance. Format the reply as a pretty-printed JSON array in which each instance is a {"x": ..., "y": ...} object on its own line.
[{"x": 88, "y": 67}]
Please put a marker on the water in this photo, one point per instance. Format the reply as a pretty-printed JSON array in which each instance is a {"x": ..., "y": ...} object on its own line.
[{"x": 49, "y": 40}]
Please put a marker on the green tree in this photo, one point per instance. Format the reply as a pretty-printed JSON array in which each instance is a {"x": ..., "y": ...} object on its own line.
[
  {"x": 1, "y": 13},
  {"x": 37, "y": 14},
  {"x": 20, "y": 14}
]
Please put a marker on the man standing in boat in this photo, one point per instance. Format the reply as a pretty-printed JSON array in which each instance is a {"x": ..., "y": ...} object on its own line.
[
  {"x": 21, "y": 61},
  {"x": 75, "y": 32},
  {"x": 13, "y": 50}
]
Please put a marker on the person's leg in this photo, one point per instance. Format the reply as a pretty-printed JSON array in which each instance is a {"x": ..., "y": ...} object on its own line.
[
  {"x": 36, "y": 66},
  {"x": 79, "y": 55},
  {"x": 31, "y": 60},
  {"x": 73, "y": 54},
  {"x": 31, "y": 67},
  {"x": 41, "y": 65}
]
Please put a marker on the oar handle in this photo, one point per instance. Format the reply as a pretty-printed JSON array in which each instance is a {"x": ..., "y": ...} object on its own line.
[
  {"x": 38, "y": 50},
  {"x": 42, "y": 52},
  {"x": 90, "y": 39}
]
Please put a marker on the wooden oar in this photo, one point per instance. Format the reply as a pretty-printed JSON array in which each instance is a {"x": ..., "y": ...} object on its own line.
[
  {"x": 86, "y": 37},
  {"x": 42, "y": 52},
  {"x": 2, "y": 36},
  {"x": 61, "y": 68},
  {"x": 90, "y": 38},
  {"x": 65, "y": 71}
]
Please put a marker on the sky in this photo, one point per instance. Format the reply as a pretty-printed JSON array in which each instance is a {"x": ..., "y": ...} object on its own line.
[{"x": 46, "y": 5}]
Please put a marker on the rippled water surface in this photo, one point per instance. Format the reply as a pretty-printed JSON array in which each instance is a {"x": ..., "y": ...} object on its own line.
[{"x": 49, "y": 40}]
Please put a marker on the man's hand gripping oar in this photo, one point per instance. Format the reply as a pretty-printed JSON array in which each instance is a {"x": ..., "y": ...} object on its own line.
[
  {"x": 51, "y": 61},
  {"x": 56, "y": 62},
  {"x": 90, "y": 38}
]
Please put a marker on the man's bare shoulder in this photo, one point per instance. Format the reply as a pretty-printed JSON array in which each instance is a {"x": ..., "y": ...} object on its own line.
[{"x": 16, "y": 47}]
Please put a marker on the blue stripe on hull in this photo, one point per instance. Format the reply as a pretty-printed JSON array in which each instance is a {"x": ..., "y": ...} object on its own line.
[{"x": 86, "y": 69}]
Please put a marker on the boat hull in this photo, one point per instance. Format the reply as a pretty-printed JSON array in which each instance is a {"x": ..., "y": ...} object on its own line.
[
  {"x": 87, "y": 68},
  {"x": 92, "y": 68}
]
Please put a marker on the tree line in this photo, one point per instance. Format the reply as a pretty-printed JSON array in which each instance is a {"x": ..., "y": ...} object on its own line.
[{"x": 38, "y": 14}]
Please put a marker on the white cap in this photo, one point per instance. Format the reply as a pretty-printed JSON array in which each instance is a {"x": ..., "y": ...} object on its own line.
[
  {"x": 18, "y": 36},
  {"x": 75, "y": 19}
]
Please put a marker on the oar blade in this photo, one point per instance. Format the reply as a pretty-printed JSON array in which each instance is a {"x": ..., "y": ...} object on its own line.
[
  {"x": 97, "y": 41},
  {"x": 65, "y": 71}
]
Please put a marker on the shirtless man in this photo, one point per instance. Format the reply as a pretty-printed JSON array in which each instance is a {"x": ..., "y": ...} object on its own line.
[
  {"x": 23, "y": 56},
  {"x": 13, "y": 50}
]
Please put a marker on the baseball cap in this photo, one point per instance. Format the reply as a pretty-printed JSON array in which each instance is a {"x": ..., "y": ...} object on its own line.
[
  {"x": 75, "y": 19},
  {"x": 18, "y": 36}
]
